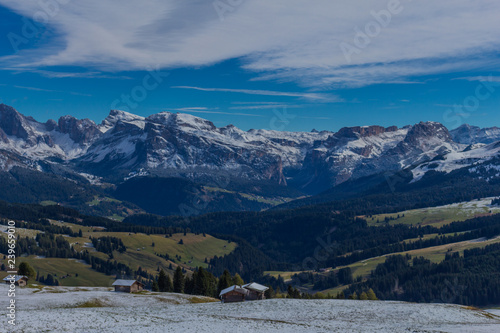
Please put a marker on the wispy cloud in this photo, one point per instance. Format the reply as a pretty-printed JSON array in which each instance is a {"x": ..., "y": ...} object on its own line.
[
  {"x": 264, "y": 107},
  {"x": 51, "y": 91},
  {"x": 282, "y": 40},
  {"x": 62, "y": 75},
  {"x": 253, "y": 103},
  {"x": 316, "y": 118},
  {"x": 309, "y": 96},
  {"x": 490, "y": 78},
  {"x": 211, "y": 111},
  {"x": 194, "y": 108},
  {"x": 35, "y": 89}
]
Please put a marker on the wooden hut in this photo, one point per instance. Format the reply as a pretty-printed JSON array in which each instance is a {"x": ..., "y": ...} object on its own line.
[
  {"x": 233, "y": 294},
  {"x": 128, "y": 286},
  {"x": 255, "y": 291},
  {"x": 19, "y": 280}
]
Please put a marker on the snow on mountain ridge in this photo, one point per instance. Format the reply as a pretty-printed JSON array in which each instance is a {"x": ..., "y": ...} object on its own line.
[
  {"x": 181, "y": 143},
  {"x": 457, "y": 160},
  {"x": 468, "y": 134},
  {"x": 116, "y": 115}
]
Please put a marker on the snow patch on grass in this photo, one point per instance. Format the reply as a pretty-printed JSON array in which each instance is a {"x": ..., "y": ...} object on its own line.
[{"x": 102, "y": 310}]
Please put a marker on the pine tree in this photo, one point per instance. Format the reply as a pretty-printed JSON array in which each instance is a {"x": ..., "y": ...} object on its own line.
[
  {"x": 154, "y": 286},
  {"x": 26, "y": 269},
  {"x": 163, "y": 283},
  {"x": 189, "y": 284},
  {"x": 178, "y": 280},
  {"x": 353, "y": 296},
  {"x": 237, "y": 280},
  {"x": 49, "y": 280},
  {"x": 170, "y": 286},
  {"x": 225, "y": 281},
  {"x": 204, "y": 283},
  {"x": 269, "y": 293},
  {"x": 363, "y": 296},
  {"x": 371, "y": 295},
  {"x": 278, "y": 292}
]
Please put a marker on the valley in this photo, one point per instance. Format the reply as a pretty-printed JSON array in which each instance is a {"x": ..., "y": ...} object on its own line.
[
  {"x": 319, "y": 214},
  {"x": 250, "y": 166}
]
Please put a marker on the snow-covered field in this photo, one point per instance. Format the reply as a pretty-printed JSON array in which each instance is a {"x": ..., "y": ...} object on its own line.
[{"x": 57, "y": 310}]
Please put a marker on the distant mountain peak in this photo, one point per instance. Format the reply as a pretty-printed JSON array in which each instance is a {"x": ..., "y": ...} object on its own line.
[
  {"x": 183, "y": 144},
  {"x": 12, "y": 122},
  {"x": 116, "y": 116},
  {"x": 467, "y": 134},
  {"x": 82, "y": 131}
]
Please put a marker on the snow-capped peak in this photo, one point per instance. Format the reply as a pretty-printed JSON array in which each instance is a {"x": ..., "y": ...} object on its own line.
[{"x": 116, "y": 116}]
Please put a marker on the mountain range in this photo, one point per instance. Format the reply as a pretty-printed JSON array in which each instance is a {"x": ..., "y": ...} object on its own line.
[
  {"x": 183, "y": 144},
  {"x": 169, "y": 145}
]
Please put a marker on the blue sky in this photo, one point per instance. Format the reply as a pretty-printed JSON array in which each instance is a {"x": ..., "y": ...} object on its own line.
[{"x": 287, "y": 64}]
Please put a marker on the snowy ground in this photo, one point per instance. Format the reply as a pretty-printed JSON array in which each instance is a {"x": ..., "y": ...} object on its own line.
[{"x": 56, "y": 310}]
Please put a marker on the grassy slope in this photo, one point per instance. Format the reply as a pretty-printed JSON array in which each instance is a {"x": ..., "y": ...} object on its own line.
[
  {"x": 195, "y": 248},
  {"x": 435, "y": 254},
  {"x": 436, "y": 216},
  {"x": 439, "y": 216},
  {"x": 140, "y": 253},
  {"x": 62, "y": 266},
  {"x": 273, "y": 201}
]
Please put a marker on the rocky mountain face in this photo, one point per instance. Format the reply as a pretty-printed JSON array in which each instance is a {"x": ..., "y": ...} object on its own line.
[
  {"x": 184, "y": 145},
  {"x": 467, "y": 134}
]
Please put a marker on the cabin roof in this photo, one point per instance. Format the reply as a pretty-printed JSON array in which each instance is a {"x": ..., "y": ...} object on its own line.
[
  {"x": 126, "y": 283},
  {"x": 255, "y": 287},
  {"x": 236, "y": 288},
  {"x": 16, "y": 277}
]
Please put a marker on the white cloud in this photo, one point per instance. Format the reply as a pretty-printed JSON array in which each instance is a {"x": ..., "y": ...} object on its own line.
[
  {"x": 49, "y": 90},
  {"x": 284, "y": 40},
  {"x": 310, "y": 96},
  {"x": 211, "y": 111},
  {"x": 491, "y": 78},
  {"x": 265, "y": 107}
]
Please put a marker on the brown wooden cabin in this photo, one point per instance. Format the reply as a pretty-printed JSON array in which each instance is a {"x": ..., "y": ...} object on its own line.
[
  {"x": 233, "y": 294},
  {"x": 20, "y": 280},
  {"x": 128, "y": 286},
  {"x": 255, "y": 291}
]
